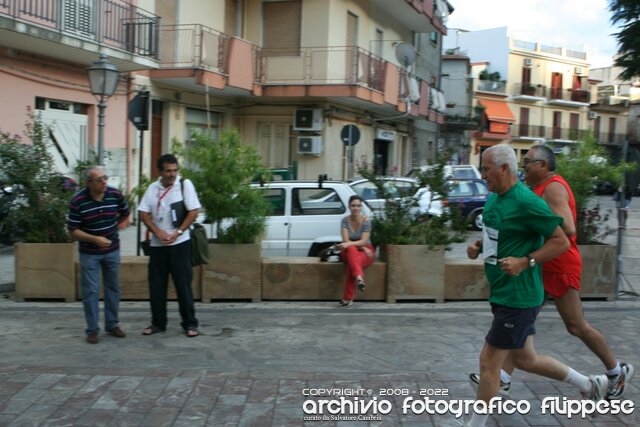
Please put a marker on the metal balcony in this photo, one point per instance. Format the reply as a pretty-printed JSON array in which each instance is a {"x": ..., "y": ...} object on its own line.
[
  {"x": 569, "y": 97},
  {"x": 528, "y": 92},
  {"x": 74, "y": 30}
]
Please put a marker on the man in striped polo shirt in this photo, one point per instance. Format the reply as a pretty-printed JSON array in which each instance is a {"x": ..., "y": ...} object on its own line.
[{"x": 95, "y": 215}]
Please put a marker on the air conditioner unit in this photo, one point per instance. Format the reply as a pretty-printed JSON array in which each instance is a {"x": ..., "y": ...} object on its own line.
[
  {"x": 593, "y": 115},
  {"x": 527, "y": 62},
  {"x": 307, "y": 119},
  {"x": 310, "y": 145},
  {"x": 578, "y": 70}
]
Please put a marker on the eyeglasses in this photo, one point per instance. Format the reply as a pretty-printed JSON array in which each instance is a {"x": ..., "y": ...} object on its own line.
[
  {"x": 100, "y": 179},
  {"x": 527, "y": 161}
]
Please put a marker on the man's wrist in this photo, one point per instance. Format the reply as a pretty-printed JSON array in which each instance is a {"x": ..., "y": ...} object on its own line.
[{"x": 179, "y": 232}]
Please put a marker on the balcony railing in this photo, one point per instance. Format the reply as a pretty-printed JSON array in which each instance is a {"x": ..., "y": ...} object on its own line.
[
  {"x": 323, "y": 65},
  {"x": 547, "y": 132},
  {"x": 576, "y": 95},
  {"x": 491, "y": 86},
  {"x": 611, "y": 138},
  {"x": 529, "y": 89},
  {"x": 194, "y": 46},
  {"x": 115, "y": 23},
  {"x": 528, "y": 131}
]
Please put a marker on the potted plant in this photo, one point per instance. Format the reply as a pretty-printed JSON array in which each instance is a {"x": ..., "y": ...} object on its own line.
[
  {"x": 581, "y": 168},
  {"x": 413, "y": 243},
  {"x": 222, "y": 171},
  {"x": 37, "y": 215}
]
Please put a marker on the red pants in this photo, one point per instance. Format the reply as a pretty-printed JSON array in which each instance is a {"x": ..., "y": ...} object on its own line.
[{"x": 355, "y": 261}]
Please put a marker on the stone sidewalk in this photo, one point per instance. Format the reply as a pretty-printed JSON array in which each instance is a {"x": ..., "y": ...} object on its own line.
[{"x": 255, "y": 363}]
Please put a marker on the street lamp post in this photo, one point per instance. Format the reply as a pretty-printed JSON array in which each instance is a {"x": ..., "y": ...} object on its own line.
[{"x": 103, "y": 79}]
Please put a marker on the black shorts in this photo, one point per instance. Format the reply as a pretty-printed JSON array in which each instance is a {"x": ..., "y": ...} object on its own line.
[{"x": 511, "y": 326}]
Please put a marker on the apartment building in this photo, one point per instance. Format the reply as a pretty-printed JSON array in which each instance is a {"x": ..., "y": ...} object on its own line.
[
  {"x": 531, "y": 93},
  {"x": 289, "y": 74}
]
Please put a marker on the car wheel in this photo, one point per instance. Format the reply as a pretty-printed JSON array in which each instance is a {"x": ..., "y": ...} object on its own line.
[{"x": 476, "y": 221}]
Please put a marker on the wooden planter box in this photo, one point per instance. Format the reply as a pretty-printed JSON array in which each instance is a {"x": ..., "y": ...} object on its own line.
[
  {"x": 46, "y": 270},
  {"x": 415, "y": 272},
  {"x": 307, "y": 278},
  {"x": 233, "y": 272},
  {"x": 599, "y": 271},
  {"x": 134, "y": 280}
]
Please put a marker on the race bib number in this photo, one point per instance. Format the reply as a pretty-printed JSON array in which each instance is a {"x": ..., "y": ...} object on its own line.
[{"x": 490, "y": 245}]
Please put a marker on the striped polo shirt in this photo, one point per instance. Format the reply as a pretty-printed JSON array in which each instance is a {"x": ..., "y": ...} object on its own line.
[{"x": 99, "y": 218}]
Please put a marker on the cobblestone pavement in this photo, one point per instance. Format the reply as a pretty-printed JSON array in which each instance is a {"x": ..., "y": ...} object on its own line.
[{"x": 254, "y": 362}]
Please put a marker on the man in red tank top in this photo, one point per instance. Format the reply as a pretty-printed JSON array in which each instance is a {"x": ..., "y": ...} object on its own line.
[{"x": 561, "y": 276}]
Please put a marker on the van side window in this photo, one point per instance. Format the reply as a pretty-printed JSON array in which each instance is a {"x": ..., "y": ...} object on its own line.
[
  {"x": 317, "y": 201},
  {"x": 276, "y": 199}
]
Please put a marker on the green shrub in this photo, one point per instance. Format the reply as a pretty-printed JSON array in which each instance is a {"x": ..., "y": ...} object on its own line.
[{"x": 39, "y": 214}]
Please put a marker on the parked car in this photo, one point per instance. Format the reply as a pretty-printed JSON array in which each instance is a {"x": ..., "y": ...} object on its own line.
[
  {"x": 398, "y": 187},
  {"x": 469, "y": 195},
  {"x": 452, "y": 171},
  {"x": 306, "y": 216}
]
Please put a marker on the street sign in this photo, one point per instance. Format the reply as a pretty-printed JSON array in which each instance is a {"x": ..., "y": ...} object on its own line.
[
  {"x": 350, "y": 135},
  {"x": 138, "y": 112}
]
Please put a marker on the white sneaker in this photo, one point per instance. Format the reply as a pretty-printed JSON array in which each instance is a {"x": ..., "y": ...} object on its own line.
[
  {"x": 504, "y": 387},
  {"x": 599, "y": 385},
  {"x": 618, "y": 383}
]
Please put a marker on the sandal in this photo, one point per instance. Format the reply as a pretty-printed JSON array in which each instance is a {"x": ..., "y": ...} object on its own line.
[
  {"x": 151, "y": 329},
  {"x": 191, "y": 332},
  {"x": 361, "y": 285}
]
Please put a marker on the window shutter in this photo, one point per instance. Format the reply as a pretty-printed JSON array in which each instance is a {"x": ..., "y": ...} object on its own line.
[{"x": 281, "y": 35}]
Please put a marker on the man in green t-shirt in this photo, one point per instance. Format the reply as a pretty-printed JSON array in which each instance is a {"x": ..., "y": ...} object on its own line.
[{"x": 520, "y": 233}]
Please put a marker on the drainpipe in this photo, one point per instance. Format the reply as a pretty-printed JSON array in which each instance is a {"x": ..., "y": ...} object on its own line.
[{"x": 128, "y": 132}]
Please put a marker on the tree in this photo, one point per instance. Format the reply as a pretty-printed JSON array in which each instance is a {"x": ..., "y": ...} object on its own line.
[
  {"x": 222, "y": 172},
  {"x": 626, "y": 14}
]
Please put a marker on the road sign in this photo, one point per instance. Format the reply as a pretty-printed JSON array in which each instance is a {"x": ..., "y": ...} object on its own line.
[{"x": 350, "y": 135}]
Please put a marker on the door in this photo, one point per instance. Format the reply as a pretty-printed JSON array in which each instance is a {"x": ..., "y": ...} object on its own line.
[
  {"x": 557, "y": 122},
  {"x": 380, "y": 156},
  {"x": 574, "y": 126},
  {"x": 315, "y": 212},
  {"x": 524, "y": 121},
  {"x": 273, "y": 144},
  {"x": 68, "y": 125},
  {"x": 352, "y": 48},
  {"x": 156, "y": 137},
  {"x": 276, "y": 241},
  {"x": 556, "y": 85}
]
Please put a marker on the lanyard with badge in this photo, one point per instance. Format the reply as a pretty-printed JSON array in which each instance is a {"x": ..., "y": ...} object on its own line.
[{"x": 159, "y": 213}]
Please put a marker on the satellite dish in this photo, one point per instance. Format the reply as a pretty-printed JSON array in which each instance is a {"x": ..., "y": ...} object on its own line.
[{"x": 406, "y": 54}]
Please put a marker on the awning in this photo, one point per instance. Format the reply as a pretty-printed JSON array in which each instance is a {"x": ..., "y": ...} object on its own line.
[{"x": 497, "y": 111}]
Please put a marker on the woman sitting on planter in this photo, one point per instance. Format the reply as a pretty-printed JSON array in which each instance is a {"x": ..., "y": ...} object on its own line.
[{"x": 356, "y": 249}]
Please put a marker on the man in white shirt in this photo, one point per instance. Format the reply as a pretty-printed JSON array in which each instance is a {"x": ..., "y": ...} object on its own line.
[{"x": 160, "y": 210}]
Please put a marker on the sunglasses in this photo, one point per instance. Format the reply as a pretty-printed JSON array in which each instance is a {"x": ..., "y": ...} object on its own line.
[{"x": 100, "y": 179}]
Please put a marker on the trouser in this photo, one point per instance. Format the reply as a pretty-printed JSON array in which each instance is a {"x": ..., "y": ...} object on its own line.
[
  {"x": 355, "y": 261},
  {"x": 90, "y": 267},
  {"x": 174, "y": 260}
]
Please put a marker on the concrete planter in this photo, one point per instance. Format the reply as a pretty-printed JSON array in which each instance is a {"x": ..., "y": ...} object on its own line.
[
  {"x": 46, "y": 270},
  {"x": 465, "y": 280},
  {"x": 599, "y": 271},
  {"x": 415, "y": 272},
  {"x": 234, "y": 272}
]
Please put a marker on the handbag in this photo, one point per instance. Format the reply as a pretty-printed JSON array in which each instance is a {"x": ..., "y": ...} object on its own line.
[
  {"x": 330, "y": 254},
  {"x": 199, "y": 245}
]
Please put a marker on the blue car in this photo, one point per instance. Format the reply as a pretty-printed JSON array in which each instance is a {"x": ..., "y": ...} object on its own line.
[{"x": 469, "y": 195}]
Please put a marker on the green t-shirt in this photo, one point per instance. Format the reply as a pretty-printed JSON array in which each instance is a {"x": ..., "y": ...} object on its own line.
[{"x": 517, "y": 221}]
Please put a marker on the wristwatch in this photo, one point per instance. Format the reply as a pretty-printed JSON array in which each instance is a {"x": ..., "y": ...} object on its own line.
[
  {"x": 532, "y": 261},
  {"x": 180, "y": 233}
]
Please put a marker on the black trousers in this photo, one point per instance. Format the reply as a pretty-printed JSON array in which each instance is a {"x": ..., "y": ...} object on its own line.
[{"x": 174, "y": 260}]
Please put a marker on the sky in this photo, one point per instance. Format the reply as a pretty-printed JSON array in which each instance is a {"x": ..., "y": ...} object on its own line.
[{"x": 582, "y": 25}]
